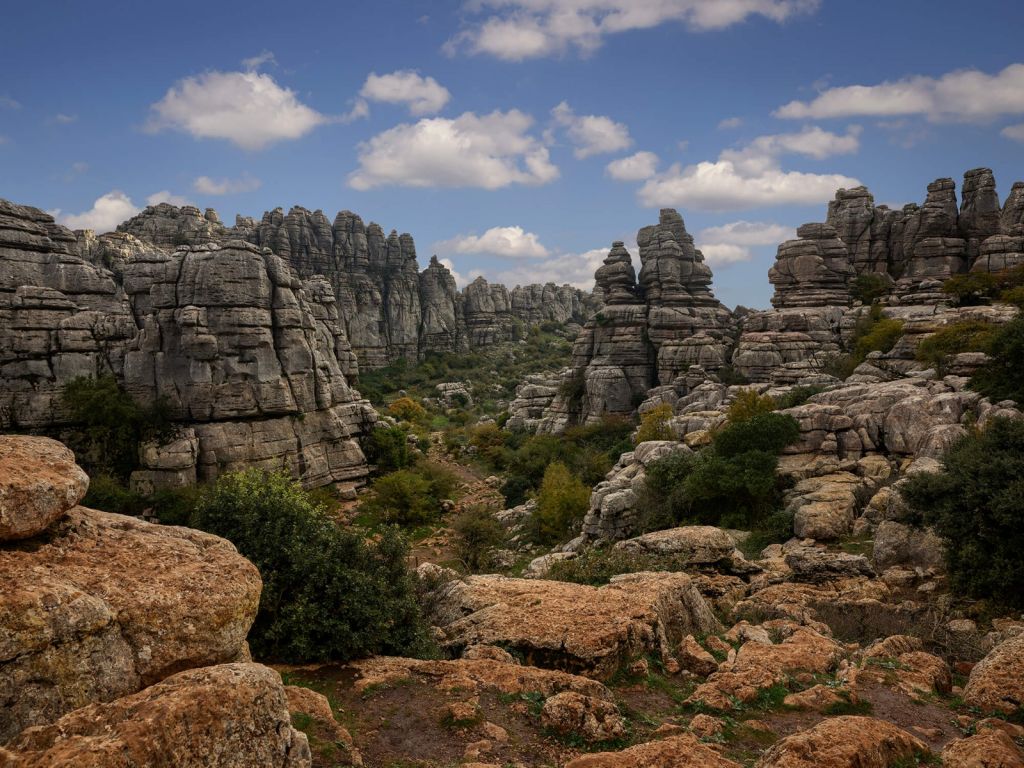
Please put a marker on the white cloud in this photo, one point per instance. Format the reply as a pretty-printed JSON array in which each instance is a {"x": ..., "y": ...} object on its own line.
[
  {"x": 730, "y": 123},
  {"x": 507, "y": 242},
  {"x": 7, "y": 102},
  {"x": 247, "y": 108},
  {"x": 76, "y": 170},
  {"x": 460, "y": 280},
  {"x": 577, "y": 269},
  {"x": 423, "y": 95},
  {"x": 360, "y": 109},
  {"x": 520, "y": 29},
  {"x": 166, "y": 196},
  {"x": 591, "y": 134},
  {"x": 1015, "y": 132},
  {"x": 752, "y": 176},
  {"x": 205, "y": 185},
  {"x": 731, "y": 243},
  {"x": 636, "y": 167},
  {"x": 106, "y": 213},
  {"x": 485, "y": 151},
  {"x": 62, "y": 119},
  {"x": 967, "y": 95},
  {"x": 255, "y": 62}
]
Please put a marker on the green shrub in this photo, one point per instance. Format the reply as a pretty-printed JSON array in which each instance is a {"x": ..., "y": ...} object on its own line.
[
  {"x": 654, "y": 424},
  {"x": 767, "y": 432},
  {"x": 411, "y": 496},
  {"x": 562, "y": 500},
  {"x": 490, "y": 443},
  {"x": 976, "y": 504},
  {"x": 598, "y": 566},
  {"x": 748, "y": 404},
  {"x": 796, "y": 397},
  {"x": 662, "y": 501},
  {"x": 110, "y": 495},
  {"x": 963, "y": 336},
  {"x": 873, "y": 333},
  {"x": 328, "y": 594},
  {"x": 387, "y": 448},
  {"x": 730, "y": 376},
  {"x": 477, "y": 535},
  {"x": 112, "y": 423},
  {"x": 870, "y": 287},
  {"x": 971, "y": 289},
  {"x": 1002, "y": 378},
  {"x": 407, "y": 409}
]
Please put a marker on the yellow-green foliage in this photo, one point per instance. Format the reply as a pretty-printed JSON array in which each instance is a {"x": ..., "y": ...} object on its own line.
[
  {"x": 654, "y": 424},
  {"x": 562, "y": 500},
  {"x": 882, "y": 337},
  {"x": 407, "y": 409},
  {"x": 749, "y": 404},
  {"x": 964, "y": 336}
]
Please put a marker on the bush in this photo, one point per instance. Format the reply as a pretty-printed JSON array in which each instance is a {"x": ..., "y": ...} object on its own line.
[
  {"x": 730, "y": 376},
  {"x": 489, "y": 440},
  {"x": 387, "y": 448},
  {"x": 796, "y": 397},
  {"x": 477, "y": 534},
  {"x": 407, "y": 409},
  {"x": 747, "y": 405},
  {"x": 976, "y": 504},
  {"x": 562, "y": 500},
  {"x": 768, "y": 432},
  {"x": 411, "y": 496},
  {"x": 109, "y": 495},
  {"x": 971, "y": 289},
  {"x": 963, "y": 336},
  {"x": 1002, "y": 378},
  {"x": 873, "y": 333},
  {"x": 654, "y": 424},
  {"x": 870, "y": 287},
  {"x": 598, "y": 566},
  {"x": 112, "y": 423},
  {"x": 328, "y": 594}
]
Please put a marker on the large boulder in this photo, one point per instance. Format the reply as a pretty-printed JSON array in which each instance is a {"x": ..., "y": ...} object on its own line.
[
  {"x": 578, "y": 628},
  {"x": 39, "y": 482},
  {"x": 991, "y": 748},
  {"x": 845, "y": 742},
  {"x": 996, "y": 683},
  {"x": 682, "y": 751},
  {"x": 226, "y": 716},
  {"x": 690, "y": 545},
  {"x": 106, "y": 604}
]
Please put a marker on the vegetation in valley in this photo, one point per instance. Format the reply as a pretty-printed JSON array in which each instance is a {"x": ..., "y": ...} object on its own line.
[
  {"x": 976, "y": 504},
  {"x": 873, "y": 333},
  {"x": 978, "y": 288},
  {"x": 1002, "y": 377}
]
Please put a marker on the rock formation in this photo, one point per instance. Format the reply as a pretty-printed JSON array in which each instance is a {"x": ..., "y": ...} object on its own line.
[
  {"x": 111, "y": 625},
  {"x": 649, "y": 331}
]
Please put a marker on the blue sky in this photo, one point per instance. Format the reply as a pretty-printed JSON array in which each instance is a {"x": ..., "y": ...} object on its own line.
[{"x": 515, "y": 138}]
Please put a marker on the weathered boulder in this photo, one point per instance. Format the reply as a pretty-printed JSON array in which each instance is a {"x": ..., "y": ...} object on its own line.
[
  {"x": 226, "y": 716},
  {"x": 39, "y": 482},
  {"x": 810, "y": 564},
  {"x": 812, "y": 271},
  {"x": 585, "y": 717},
  {"x": 317, "y": 708},
  {"x": 681, "y": 751},
  {"x": 899, "y": 544},
  {"x": 988, "y": 749},
  {"x": 845, "y": 742},
  {"x": 694, "y": 545},
  {"x": 106, "y": 604},
  {"x": 996, "y": 683},
  {"x": 582, "y": 629}
]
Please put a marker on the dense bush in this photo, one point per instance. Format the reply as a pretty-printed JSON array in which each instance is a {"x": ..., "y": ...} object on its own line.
[
  {"x": 112, "y": 424},
  {"x": 747, "y": 404},
  {"x": 387, "y": 448},
  {"x": 328, "y": 594},
  {"x": 562, "y": 500},
  {"x": 654, "y": 424},
  {"x": 731, "y": 483},
  {"x": 870, "y": 287},
  {"x": 976, "y": 288},
  {"x": 796, "y": 396},
  {"x": 873, "y": 333},
  {"x": 407, "y": 409},
  {"x": 1002, "y": 378},
  {"x": 411, "y": 496},
  {"x": 963, "y": 336},
  {"x": 477, "y": 535},
  {"x": 977, "y": 505}
]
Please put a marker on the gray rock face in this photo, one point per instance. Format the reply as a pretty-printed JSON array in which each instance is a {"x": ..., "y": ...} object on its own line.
[
  {"x": 253, "y": 359},
  {"x": 389, "y": 308},
  {"x": 648, "y": 332},
  {"x": 812, "y": 271}
]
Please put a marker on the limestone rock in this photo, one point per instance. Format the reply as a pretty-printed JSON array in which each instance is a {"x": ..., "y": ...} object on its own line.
[
  {"x": 39, "y": 482},
  {"x": 996, "y": 683},
  {"x": 697, "y": 545},
  {"x": 810, "y": 564},
  {"x": 591, "y": 719},
  {"x": 317, "y": 707},
  {"x": 681, "y": 751},
  {"x": 813, "y": 271},
  {"x": 844, "y": 742},
  {"x": 988, "y": 749},
  {"x": 106, "y": 604},
  {"x": 899, "y": 544},
  {"x": 227, "y": 716}
]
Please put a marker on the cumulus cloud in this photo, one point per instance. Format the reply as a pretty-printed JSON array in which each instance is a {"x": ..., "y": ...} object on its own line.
[
  {"x": 422, "y": 95},
  {"x": 247, "y": 108},
  {"x": 62, "y": 119},
  {"x": 729, "y": 123},
  {"x": 484, "y": 151},
  {"x": 106, "y": 213},
  {"x": 1015, "y": 132},
  {"x": 255, "y": 62},
  {"x": 206, "y": 185},
  {"x": 752, "y": 176},
  {"x": 966, "y": 95},
  {"x": 576, "y": 269},
  {"x": 166, "y": 196},
  {"x": 461, "y": 281},
  {"x": 636, "y": 167},
  {"x": 507, "y": 242},
  {"x": 591, "y": 134},
  {"x": 521, "y": 29},
  {"x": 731, "y": 243}
]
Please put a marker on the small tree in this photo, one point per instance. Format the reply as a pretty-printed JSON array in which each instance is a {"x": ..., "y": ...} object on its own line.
[
  {"x": 562, "y": 500},
  {"x": 387, "y": 448},
  {"x": 477, "y": 534},
  {"x": 976, "y": 504},
  {"x": 871, "y": 287},
  {"x": 747, "y": 405},
  {"x": 1002, "y": 378},
  {"x": 654, "y": 424},
  {"x": 407, "y": 409}
]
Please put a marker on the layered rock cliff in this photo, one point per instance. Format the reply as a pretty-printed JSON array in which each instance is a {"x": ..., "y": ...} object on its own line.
[{"x": 391, "y": 310}]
